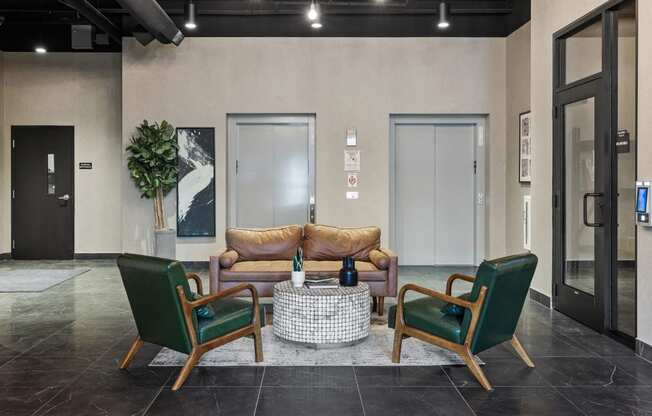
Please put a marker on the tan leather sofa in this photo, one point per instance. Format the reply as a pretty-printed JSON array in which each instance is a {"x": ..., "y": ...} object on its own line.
[{"x": 263, "y": 257}]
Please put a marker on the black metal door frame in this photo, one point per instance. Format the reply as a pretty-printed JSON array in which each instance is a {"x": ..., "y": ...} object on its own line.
[{"x": 603, "y": 306}]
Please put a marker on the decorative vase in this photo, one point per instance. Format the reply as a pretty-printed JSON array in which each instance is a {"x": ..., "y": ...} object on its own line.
[
  {"x": 298, "y": 278},
  {"x": 348, "y": 273}
]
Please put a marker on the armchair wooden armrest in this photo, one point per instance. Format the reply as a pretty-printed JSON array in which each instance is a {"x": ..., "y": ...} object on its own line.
[
  {"x": 204, "y": 300},
  {"x": 432, "y": 293},
  {"x": 457, "y": 276},
  {"x": 198, "y": 283}
]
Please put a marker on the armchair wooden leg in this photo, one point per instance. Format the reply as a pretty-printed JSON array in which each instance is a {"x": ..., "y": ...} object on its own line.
[
  {"x": 476, "y": 370},
  {"x": 195, "y": 355},
  {"x": 381, "y": 305},
  {"x": 133, "y": 350},
  {"x": 521, "y": 351},
  {"x": 398, "y": 343},
  {"x": 258, "y": 344},
  {"x": 374, "y": 304}
]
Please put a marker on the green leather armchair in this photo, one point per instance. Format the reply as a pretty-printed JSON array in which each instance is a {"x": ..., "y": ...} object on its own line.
[
  {"x": 490, "y": 315},
  {"x": 165, "y": 312}
]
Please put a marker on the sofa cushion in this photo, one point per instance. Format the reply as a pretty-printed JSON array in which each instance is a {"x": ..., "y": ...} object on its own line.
[
  {"x": 323, "y": 242},
  {"x": 228, "y": 258},
  {"x": 262, "y": 266},
  {"x": 379, "y": 259},
  {"x": 335, "y": 266},
  {"x": 264, "y": 244}
]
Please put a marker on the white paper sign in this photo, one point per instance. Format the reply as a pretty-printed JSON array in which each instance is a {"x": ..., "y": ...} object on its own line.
[
  {"x": 351, "y": 160},
  {"x": 351, "y": 137},
  {"x": 352, "y": 195},
  {"x": 352, "y": 180}
]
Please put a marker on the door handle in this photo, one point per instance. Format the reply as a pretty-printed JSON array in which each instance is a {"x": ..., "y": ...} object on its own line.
[
  {"x": 64, "y": 197},
  {"x": 585, "y": 214}
]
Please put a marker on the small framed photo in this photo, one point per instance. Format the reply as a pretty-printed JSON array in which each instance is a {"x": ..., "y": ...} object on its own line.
[{"x": 525, "y": 147}]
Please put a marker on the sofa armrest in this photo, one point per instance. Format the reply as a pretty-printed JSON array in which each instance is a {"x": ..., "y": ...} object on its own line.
[
  {"x": 392, "y": 272},
  {"x": 214, "y": 268}
]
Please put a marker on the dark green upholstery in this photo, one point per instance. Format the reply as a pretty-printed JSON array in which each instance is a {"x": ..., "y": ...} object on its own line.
[
  {"x": 230, "y": 314},
  {"x": 426, "y": 314},
  {"x": 150, "y": 283},
  {"x": 507, "y": 281}
]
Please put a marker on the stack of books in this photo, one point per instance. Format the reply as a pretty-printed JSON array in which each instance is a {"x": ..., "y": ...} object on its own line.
[{"x": 317, "y": 282}]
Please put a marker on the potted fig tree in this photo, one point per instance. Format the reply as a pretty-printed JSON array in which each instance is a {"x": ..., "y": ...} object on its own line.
[{"x": 152, "y": 164}]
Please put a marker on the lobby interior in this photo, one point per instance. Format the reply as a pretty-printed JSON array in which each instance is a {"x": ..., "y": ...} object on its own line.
[{"x": 455, "y": 135}]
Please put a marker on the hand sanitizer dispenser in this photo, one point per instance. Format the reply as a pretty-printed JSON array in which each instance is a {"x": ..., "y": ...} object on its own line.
[{"x": 643, "y": 203}]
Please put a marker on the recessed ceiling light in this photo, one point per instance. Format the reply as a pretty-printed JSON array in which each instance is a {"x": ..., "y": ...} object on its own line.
[
  {"x": 316, "y": 25},
  {"x": 443, "y": 16},
  {"x": 191, "y": 15},
  {"x": 313, "y": 14},
  {"x": 40, "y": 49}
]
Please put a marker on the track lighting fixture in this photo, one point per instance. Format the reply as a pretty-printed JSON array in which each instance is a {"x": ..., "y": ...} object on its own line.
[
  {"x": 313, "y": 13},
  {"x": 316, "y": 25},
  {"x": 443, "y": 16},
  {"x": 191, "y": 15},
  {"x": 40, "y": 49}
]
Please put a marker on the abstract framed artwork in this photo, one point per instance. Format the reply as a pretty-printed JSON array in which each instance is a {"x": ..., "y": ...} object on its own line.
[
  {"x": 196, "y": 182},
  {"x": 525, "y": 147}
]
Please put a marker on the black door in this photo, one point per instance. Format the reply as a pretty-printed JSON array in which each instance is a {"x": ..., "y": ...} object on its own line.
[
  {"x": 582, "y": 190},
  {"x": 42, "y": 169}
]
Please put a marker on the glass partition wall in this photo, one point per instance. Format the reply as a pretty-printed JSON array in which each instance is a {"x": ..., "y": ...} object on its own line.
[{"x": 594, "y": 249}]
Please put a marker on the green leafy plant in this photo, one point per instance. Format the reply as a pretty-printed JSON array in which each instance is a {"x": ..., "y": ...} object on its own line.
[
  {"x": 152, "y": 164},
  {"x": 297, "y": 261}
]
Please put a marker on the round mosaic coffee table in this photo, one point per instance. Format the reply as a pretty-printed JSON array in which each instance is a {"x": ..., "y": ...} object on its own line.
[{"x": 321, "y": 318}]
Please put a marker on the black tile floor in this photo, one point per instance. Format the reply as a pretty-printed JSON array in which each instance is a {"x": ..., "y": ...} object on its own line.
[{"x": 59, "y": 352}]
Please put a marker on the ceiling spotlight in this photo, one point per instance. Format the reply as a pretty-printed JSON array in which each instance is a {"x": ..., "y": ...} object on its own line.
[
  {"x": 191, "y": 15},
  {"x": 316, "y": 25},
  {"x": 443, "y": 16},
  {"x": 40, "y": 49},
  {"x": 313, "y": 13}
]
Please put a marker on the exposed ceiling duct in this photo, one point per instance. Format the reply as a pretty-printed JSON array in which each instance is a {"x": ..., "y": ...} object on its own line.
[
  {"x": 95, "y": 17},
  {"x": 150, "y": 15}
]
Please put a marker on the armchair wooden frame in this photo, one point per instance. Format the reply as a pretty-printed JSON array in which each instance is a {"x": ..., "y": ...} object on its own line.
[
  {"x": 464, "y": 350},
  {"x": 200, "y": 349}
]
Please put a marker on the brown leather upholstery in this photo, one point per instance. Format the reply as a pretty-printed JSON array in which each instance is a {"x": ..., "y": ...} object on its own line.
[
  {"x": 322, "y": 242},
  {"x": 264, "y": 258},
  {"x": 228, "y": 258},
  {"x": 379, "y": 259},
  {"x": 267, "y": 244}
]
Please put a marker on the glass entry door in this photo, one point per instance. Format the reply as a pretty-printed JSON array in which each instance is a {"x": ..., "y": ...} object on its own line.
[{"x": 583, "y": 253}]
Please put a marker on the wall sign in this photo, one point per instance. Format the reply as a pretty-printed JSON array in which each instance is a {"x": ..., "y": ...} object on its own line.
[
  {"x": 351, "y": 137},
  {"x": 525, "y": 148},
  {"x": 352, "y": 180},
  {"x": 196, "y": 182},
  {"x": 351, "y": 160},
  {"x": 85, "y": 165},
  {"x": 622, "y": 141}
]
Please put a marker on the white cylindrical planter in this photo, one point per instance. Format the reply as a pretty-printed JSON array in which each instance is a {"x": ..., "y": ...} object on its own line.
[
  {"x": 165, "y": 244},
  {"x": 298, "y": 278}
]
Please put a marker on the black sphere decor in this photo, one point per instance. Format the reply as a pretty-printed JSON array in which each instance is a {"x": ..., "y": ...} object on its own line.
[{"x": 348, "y": 273}]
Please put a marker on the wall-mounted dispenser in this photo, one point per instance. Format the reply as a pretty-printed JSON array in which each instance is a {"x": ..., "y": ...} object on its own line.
[{"x": 643, "y": 203}]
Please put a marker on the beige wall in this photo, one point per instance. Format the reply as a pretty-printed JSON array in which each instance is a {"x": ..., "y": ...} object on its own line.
[
  {"x": 346, "y": 82},
  {"x": 83, "y": 90},
  {"x": 518, "y": 101},
  {"x": 644, "y": 261},
  {"x": 5, "y": 244},
  {"x": 547, "y": 17}
]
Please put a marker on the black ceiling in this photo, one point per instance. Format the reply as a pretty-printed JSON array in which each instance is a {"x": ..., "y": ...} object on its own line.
[{"x": 27, "y": 22}]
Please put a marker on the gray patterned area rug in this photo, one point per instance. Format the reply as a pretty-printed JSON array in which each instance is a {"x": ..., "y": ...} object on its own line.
[
  {"x": 376, "y": 350},
  {"x": 35, "y": 280}
]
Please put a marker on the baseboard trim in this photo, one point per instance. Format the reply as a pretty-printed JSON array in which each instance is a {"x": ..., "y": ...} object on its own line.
[
  {"x": 643, "y": 349},
  {"x": 96, "y": 256},
  {"x": 5, "y": 256},
  {"x": 201, "y": 265},
  {"x": 539, "y": 297}
]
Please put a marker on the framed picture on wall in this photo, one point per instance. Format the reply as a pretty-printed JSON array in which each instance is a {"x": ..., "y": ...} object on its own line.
[
  {"x": 196, "y": 182},
  {"x": 525, "y": 147}
]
